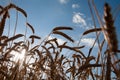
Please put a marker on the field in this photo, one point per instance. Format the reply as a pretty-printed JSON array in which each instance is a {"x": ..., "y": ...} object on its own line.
[{"x": 22, "y": 59}]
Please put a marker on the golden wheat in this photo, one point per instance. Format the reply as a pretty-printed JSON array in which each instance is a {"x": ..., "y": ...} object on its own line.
[{"x": 48, "y": 59}]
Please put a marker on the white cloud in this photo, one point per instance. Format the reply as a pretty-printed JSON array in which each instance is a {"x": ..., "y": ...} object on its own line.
[
  {"x": 88, "y": 41},
  {"x": 63, "y": 1},
  {"x": 60, "y": 41},
  {"x": 75, "y": 6},
  {"x": 78, "y": 19}
]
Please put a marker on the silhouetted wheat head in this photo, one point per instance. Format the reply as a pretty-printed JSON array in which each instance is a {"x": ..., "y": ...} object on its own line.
[{"x": 109, "y": 32}]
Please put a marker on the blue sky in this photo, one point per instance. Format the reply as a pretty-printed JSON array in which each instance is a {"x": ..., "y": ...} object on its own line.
[{"x": 44, "y": 15}]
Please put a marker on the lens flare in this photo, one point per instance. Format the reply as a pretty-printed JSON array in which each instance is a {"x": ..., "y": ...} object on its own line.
[{"x": 18, "y": 56}]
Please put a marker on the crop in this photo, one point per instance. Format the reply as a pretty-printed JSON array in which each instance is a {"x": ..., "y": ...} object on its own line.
[{"x": 46, "y": 59}]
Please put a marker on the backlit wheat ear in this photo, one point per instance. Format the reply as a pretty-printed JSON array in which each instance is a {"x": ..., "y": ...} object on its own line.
[
  {"x": 34, "y": 37},
  {"x": 31, "y": 27},
  {"x": 2, "y": 23},
  {"x": 62, "y": 28},
  {"x": 10, "y": 6},
  {"x": 110, "y": 36},
  {"x": 14, "y": 37},
  {"x": 63, "y": 34},
  {"x": 110, "y": 33},
  {"x": 57, "y": 31}
]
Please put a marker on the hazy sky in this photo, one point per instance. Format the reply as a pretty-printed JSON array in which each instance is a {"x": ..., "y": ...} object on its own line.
[{"x": 44, "y": 15}]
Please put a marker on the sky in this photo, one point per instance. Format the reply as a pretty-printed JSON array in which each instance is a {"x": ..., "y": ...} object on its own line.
[{"x": 44, "y": 15}]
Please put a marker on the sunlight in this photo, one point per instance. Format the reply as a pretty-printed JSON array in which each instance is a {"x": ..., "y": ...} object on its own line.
[{"x": 18, "y": 55}]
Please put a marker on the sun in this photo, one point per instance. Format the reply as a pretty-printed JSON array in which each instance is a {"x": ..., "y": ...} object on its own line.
[{"x": 18, "y": 55}]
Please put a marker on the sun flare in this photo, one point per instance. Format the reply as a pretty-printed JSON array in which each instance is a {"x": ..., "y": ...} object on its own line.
[{"x": 18, "y": 55}]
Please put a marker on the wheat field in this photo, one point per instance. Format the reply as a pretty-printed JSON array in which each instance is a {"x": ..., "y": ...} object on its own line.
[{"x": 22, "y": 59}]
